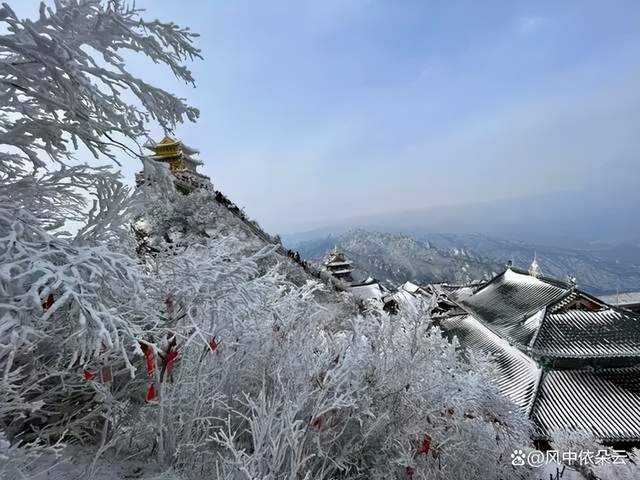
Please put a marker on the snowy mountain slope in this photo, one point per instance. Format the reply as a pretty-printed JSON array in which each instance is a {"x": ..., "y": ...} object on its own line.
[
  {"x": 597, "y": 270},
  {"x": 459, "y": 257},
  {"x": 395, "y": 258},
  {"x": 204, "y": 215}
]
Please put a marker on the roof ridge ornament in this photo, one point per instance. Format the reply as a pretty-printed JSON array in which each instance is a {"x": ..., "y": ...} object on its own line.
[{"x": 534, "y": 268}]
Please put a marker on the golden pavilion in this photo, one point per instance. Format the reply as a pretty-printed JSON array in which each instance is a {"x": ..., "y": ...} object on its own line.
[{"x": 182, "y": 164}]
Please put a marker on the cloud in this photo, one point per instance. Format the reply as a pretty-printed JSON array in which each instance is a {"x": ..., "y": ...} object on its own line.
[{"x": 326, "y": 110}]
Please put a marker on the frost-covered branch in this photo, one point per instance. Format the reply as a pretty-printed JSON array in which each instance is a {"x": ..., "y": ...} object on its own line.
[
  {"x": 65, "y": 81},
  {"x": 74, "y": 306}
]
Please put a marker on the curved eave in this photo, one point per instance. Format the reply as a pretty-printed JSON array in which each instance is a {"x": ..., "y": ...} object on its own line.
[{"x": 561, "y": 355}]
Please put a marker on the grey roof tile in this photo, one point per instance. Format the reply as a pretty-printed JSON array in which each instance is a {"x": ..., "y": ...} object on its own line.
[
  {"x": 517, "y": 373},
  {"x": 605, "y": 402},
  {"x": 507, "y": 304},
  {"x": 577, "y": 333}
]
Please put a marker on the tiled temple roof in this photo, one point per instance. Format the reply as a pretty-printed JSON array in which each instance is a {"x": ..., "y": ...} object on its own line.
[
  {"x": 545, "y": 319},
  {"x": 341, "y": 263},
  {"x": 605, "y": 403},
  {"x": 510, "y": 305},
  {"x": 578, "y": 333},
  {"x": 520, "y": 319},
  {"x": 517, "y": 373}
]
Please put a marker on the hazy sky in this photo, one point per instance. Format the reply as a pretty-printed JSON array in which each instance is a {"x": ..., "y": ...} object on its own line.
[{"x": 321, "y": 110}]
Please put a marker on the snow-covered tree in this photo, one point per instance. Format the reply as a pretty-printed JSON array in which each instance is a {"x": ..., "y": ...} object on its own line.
[
  {"x": 64, "y": 80},
  {"x": 587, "y": 449},
  {"x": 73, "y": 306},
  {"x": 205, "y": 350},
  {"x": 268, "y": 379}
]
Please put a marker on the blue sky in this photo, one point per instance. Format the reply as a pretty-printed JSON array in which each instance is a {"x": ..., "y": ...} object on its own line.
[{"x": 315, "y": 111}]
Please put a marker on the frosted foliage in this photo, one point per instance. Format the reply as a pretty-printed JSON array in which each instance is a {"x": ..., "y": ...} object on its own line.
[
  {"x": 73, "y": 304},
  {"x": 25, "y": 462},
  {"x": 196, "y": 349},
  {"x": 63, "y": 307},
  {"x": 64, "y": 80},
  {"x": 289, "y": 389},
  {"x": 357, "y": 403},
  {"x": 579, "y": 441}
]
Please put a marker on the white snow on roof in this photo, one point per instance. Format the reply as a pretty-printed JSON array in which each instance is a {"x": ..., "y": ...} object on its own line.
[
  {"x": 518, "y": 374},
  {"x": 461, "y": 293},
  {"x": 338, "y": 264},
  {"x": 367, "y": 292},
  {"x": 410, "y": 287},
  {"x": 534, "y": 321},
  {"x": 511, "y": 276},
  {"x": 345, "y": 270},
  {"x": 405, "y": 299}
]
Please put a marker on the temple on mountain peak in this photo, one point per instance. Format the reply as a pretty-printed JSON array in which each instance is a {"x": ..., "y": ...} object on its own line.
[
  {"x": 338, "y": 265},
  {"x": 182, "y": 164}
]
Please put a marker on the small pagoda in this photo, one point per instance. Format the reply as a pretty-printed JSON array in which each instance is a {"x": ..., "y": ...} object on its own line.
[
  {"x": 338, "y": 265},
  {"x": 182, "y": 164}
]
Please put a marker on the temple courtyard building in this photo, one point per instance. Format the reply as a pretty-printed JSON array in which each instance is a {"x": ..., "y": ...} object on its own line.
[{"x": 567, "y": 359}]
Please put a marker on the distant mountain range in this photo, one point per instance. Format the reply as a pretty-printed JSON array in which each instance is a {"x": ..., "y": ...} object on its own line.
[
  {"x": 590, "y": 217},
  {"x": 395, "y": 258}
]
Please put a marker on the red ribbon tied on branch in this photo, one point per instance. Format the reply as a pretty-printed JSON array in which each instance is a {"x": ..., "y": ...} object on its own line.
[
  {"x": 149, "y": 356},
  {"x": 425, "y": 445},
  {"x": 48, "y": 303},
  {"x": 151, "y": 393},
  {"x": 170, "y": 360},
  {"x": 317, "y": 423}
]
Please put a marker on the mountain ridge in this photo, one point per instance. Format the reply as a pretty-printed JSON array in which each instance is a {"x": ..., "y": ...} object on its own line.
[
  {"x": 453, "y": 257},
  {"x": 395, "y": 258}
]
